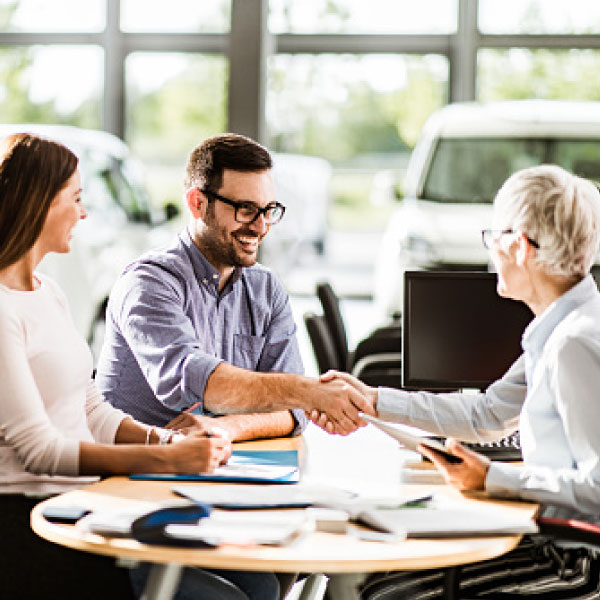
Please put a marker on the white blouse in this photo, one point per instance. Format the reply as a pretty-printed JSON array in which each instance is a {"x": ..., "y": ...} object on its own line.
[
  {"x": 48, "y": 401},
  {"x": 552, "y": 393}
]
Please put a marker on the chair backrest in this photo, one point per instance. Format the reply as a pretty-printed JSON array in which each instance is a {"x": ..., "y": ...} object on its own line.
[
  {"x": 334, "y": 321},
  {"x": 386, "y": 339},
  {"x": 322, "y": 344}
]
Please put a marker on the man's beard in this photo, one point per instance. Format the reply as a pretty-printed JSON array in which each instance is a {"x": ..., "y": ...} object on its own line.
[{"x": 218, "y": 250}]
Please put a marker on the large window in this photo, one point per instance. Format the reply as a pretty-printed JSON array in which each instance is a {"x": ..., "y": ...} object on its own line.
[
  {"x": 176, "y": 16},
  {"x": 538, "y": 73},
  {"x": 539, "y": 16},
  {"x": 51, "y": 84},
  {"x": 174, "y": 101},
  {"x": 358, "y": 112},
  {"x": 52, "y": 16},
  {"x": 360, "y": 16},
  {"x": 347, "y": 84}
]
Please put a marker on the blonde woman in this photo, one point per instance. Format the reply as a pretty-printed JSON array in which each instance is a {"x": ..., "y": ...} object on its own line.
[{"x": 545, "y": 235}]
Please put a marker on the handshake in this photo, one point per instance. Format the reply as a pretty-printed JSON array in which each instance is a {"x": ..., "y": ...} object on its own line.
[{"x": 337, "y": 400}]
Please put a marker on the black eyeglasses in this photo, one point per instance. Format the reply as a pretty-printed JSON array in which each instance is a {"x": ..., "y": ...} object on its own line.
[
  {"x": 246, "y": 212},
  {"x": 489, "y": 236}
]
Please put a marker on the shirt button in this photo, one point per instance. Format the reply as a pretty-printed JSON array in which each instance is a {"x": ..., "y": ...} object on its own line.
[
  {"x": 215, "y": 276},
  {"x": 205, "y": 281}
]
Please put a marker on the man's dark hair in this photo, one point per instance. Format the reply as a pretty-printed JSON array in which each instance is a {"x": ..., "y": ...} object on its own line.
[{"x": 207, "y": 161}]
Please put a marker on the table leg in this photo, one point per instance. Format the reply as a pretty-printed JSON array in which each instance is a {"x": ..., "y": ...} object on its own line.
[
  {"x": 162, "y": 582},
  {"x": 452, "y": 583},
  {"x": 314, "y": 587}
]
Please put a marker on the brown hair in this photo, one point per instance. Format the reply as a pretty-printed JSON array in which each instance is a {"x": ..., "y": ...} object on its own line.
[
  {"x": 207, "y": 161},
  {"x": 32, "y": 172}
]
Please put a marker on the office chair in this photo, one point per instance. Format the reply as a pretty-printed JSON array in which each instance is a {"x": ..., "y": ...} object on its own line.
[
  {"x": 334, "y": 321},
  {"x": 376, "y": 359},
  {"x": 570, "y": 530},
  {"x": 322, "y": 344}
]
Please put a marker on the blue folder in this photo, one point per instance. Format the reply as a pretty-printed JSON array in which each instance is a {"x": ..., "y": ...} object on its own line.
[{"x": 281, "y": 458}]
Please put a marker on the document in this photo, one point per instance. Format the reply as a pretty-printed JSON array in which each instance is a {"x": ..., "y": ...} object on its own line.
[
  {"x": 245, "y": 466},
  {"x": 442, "y": 521},
  {"x": 409, "y": 440},
  {"x": 265, "y": 496}
]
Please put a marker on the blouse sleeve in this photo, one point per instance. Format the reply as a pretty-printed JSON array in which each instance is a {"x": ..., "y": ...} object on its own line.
[
  {"x": 102, "y": 418},
  {"x": 575, "y": 378},
  {"x": 24, "y": 423}
]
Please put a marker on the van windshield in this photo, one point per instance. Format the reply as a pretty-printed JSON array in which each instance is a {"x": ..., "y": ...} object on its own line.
[{"x": 471, "y": 170}]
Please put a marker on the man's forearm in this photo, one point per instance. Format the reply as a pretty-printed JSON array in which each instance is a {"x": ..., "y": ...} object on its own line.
[
  {"x": 234, "y": 390},
  {"x": 256, "y": 425},
  {"x": 231, "y": 390}
]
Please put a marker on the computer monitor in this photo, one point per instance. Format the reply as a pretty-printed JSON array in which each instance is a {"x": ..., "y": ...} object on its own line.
[{"x": 457, "y": 331}]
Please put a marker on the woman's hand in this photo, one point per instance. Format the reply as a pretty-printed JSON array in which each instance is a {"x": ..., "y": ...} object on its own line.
[
  {"x": 200, "y": 453},
  {"x": 188, "y": 423},
  {"x": 469, "y": 474},
  {"x": 320, "y": 418}
]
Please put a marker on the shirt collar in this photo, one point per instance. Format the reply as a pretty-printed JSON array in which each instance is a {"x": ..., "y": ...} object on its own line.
[
  {"x": 204, "y": 271},
  {"x": 539, "y": 330}
]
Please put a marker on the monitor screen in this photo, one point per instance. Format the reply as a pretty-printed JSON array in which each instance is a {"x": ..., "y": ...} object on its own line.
[{"x": 457, "y": 332}]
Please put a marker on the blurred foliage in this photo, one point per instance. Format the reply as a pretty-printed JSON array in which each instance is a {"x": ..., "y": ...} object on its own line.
[
  {"x": 7, "y": 11},
  {"x": 324, "y": 105},
  {"x": 16, "y": 105},
  {"x": 539, "y": 73},
  {"x": 164, "y": 124},
  {"x": 315, "y": 108}
]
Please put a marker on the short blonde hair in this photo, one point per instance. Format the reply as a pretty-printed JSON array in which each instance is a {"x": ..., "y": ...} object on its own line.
[{"x": 558, "y": 210}]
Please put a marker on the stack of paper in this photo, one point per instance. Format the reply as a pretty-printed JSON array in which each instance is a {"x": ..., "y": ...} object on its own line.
[
  {"x": 445, "y": 521},
  {"x": 263, "y": 496},
  {"x": 246, "y": 528}
]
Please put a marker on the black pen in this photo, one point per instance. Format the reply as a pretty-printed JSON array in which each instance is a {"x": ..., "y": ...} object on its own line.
[{"x": 416, "y": 501}]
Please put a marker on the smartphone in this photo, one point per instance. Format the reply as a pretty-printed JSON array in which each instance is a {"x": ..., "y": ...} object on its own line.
[
  {"x": 67, "y": 515},
  {"x": 409, "y": 440},
  {"x": 441, "y": 450}
]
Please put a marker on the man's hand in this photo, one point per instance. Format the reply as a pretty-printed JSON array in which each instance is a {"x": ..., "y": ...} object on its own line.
[
  {"x": 369, "y": 394},
  {"x": 338, "y": 402},
  {"x": 469, "y": 474}
]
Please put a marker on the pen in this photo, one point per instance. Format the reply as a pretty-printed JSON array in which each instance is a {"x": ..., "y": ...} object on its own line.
[{"x": 416, "y": 501}]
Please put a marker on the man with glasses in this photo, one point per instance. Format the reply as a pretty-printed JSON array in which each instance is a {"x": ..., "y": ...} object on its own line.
[{"x": 199, "y": 335}]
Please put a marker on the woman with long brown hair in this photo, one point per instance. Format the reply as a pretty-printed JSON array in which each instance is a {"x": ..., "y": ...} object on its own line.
[{"x": 56, "y": 431}]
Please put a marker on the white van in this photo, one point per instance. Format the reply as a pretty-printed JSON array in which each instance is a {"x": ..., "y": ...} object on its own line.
[
  {"x": 120, "y": 224},
  {"x": 464, "y": 154}
]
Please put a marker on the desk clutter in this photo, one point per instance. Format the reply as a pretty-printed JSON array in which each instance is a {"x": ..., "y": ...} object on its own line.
[{"x": 274, "y": 515}]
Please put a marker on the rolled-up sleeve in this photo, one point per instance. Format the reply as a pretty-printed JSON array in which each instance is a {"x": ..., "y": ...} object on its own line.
[
  {"x": 281, "y": 352},
  {"x": 152, "y": 319}
]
